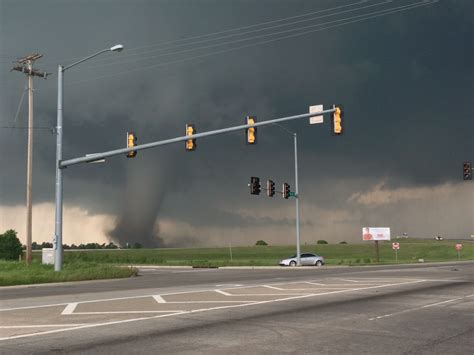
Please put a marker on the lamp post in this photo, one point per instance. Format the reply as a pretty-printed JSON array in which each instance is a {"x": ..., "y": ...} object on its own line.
[
  {"x": 58, "y": 225},
  {"x": 298, "y": 241}
]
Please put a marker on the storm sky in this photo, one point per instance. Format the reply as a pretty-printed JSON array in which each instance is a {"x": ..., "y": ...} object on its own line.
[{"x": 404, "y": 79}]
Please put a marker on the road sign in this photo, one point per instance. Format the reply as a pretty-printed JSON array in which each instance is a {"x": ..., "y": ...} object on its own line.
[
  {"x": 458, "y": 247},
  {"x": 395, "y": 246},
  {"x": 316, "y": 119}
]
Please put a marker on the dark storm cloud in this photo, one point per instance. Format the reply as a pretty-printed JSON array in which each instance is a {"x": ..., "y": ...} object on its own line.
[{"x": 402, "y": 79}]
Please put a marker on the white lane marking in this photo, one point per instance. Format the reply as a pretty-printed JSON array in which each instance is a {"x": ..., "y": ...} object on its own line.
[
  {"x": 273, "y": 287},
  {"x": 229, "y": 285},
  {"x": 41, "y": 326},
  {"x": 313, "y": 283},
  {"x": 421, "y": 307},
  {"x": 206, "y": 270},
  {"x": 187, "y": 302},
  {"x": 69, "y": 308},
  {"x": 200, "y": 310},
  {"x": 159, "y": 299},
  {"x": 151, "y": 295},
  {"x": 266, "y": 294},
  {"x": 223, "y": 293},
  {"x": 127, "y": 312},
  {"x": 197, "y": 311}
]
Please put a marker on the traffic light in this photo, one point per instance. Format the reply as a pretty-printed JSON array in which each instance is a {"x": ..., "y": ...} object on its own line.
[
  {"x": 131, "y": 142},
  {"x": 190, "y": 144},
  {"x": 254, "y": 185},
  {"x": 467, "y": 170},
  {"x": 251, "y": 132},
  {"x": 286, "y": 190},
  {"x": 270, "y": 188},
  {"x": 337, "y": 125}
]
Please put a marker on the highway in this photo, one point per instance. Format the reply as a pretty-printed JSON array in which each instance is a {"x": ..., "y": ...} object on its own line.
[{"x": 405, "y": 309}]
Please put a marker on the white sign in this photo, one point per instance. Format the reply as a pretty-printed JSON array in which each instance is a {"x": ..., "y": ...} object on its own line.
[
  {"x": 375, "y": 233},
  {"x": 316, "y": 119},
  {"x": 395, "y": 246}
]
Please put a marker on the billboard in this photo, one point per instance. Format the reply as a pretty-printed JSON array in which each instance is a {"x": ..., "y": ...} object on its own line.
[{"x": 375, "y": 233}]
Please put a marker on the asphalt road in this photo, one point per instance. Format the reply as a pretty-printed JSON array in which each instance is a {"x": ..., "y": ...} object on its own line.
[{"x": 366, "y": 310}]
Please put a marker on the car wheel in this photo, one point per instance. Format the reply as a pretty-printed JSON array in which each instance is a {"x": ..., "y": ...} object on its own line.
[
  {"x": 319, "y": 263},
  {"x": 292, "y": 263}
]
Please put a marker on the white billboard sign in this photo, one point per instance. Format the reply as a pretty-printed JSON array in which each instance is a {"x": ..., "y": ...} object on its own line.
[{"x": 375, "y": 233}]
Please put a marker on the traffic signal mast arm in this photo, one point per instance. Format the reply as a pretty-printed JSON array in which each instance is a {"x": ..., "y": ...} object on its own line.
[{"x": 111, "y": 153}]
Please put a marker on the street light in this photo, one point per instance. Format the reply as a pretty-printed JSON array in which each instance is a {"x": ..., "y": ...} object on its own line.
[
  {"x": 58, "y": 225},
  {"x": 296, "y": 195}
]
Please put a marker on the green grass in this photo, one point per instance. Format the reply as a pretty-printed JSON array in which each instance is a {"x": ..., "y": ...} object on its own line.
[
  {"x": 335, "y": 254},
  {"x": 17, "y": 273}
]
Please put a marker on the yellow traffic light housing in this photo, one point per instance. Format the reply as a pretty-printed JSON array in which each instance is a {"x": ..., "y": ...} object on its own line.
[
  {"x": 190, "y": 144},
  {"x": 131, "y": 142},
  {"x": 251, "y": 132},
  {"x": 337, "y": 120}
]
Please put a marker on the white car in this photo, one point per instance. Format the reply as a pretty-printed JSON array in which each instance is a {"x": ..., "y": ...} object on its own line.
[{"x": 306, "y": 259}]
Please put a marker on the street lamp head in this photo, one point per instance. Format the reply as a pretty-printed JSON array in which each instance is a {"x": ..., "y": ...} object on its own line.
[{"x": 117, "y": 48}]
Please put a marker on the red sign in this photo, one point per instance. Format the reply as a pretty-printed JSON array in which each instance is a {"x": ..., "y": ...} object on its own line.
[
  {"x": 395, "y": 246},
  {"x": 458, "y": 247}
]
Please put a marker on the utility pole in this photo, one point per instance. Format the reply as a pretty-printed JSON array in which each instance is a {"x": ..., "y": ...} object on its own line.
[{"x": 25, "y": 65}]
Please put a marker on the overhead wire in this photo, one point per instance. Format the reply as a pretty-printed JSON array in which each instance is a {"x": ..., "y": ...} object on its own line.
[
  {"x": 347, "y": 21},
  {"x": 219, "y": 32},
  {"x": 121, "y": 61}
]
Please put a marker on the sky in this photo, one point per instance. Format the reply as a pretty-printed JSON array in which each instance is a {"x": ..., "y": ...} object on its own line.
[{"x": 402, "y": 70}]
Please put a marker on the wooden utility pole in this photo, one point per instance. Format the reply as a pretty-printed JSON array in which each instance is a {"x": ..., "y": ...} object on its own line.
[{"x": 25, "y": 65}]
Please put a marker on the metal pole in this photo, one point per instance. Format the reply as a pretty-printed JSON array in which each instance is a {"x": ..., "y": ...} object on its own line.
[
  {"x": 29, "y": 168},
  {"x": 58, "y": 226},
  {"x": 298, "y": 242},
  {"x": 111, "y": 153}
]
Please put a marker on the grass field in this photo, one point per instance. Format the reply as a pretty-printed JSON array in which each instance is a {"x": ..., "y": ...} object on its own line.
[
  {"x": 411, "y": 250},
  {"x": 16, "y": 273},
  {"x": 104, "y": 264}
]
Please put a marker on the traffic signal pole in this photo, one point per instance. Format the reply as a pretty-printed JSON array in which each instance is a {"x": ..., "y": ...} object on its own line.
[
  {"x": 297, "y": 197},
  {"x": 97, "y": 156},
  {"x": 61, "y": 164}
]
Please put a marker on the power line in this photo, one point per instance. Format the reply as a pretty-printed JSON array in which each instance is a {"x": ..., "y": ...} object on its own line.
[
  {"x": 233, "y": 35},
  {"x": 348, "y": 21},
  {"x": 222, "y": 32}
]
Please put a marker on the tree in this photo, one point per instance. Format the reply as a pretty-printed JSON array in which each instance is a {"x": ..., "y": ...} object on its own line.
[
  {"x": 261, "y": 242},
  {"x": 10, "y": 245}
]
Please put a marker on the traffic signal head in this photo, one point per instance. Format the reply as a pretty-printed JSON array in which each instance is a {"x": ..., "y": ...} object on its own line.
[
  {"x": 337, "y": 126},
  {"x": 131, "y": 142},
  {"x": 251, "y": 132},
  {"x": 467, "y": 170},
  {"x": 270, "y": 188},
  {"x": 190, "y": 144},
  {"x": 254, "y": 185},
  {"x": 286, "y": 190}
]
